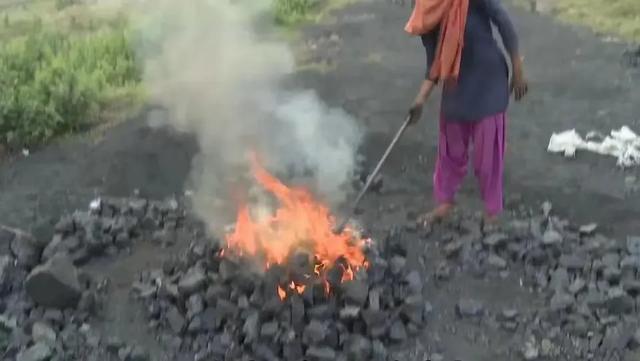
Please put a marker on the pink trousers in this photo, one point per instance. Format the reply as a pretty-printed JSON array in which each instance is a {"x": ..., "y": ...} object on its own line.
[{"x": 488, "y": 139}]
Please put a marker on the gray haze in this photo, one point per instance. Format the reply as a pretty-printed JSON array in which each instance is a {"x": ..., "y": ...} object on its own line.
[{"x": 220, "y": 81}]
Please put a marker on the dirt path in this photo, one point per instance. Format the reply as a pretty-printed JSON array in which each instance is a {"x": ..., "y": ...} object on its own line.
[{"x": 577, "y": 81}]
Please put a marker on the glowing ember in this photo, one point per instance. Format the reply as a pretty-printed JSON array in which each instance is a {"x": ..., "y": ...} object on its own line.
[{"x": 300, "y": 223}]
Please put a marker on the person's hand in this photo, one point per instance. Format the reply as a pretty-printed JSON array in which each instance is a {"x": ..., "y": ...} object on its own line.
[
  {"x": 519, "y": 85},
  {"x": 415, "y": 112}
]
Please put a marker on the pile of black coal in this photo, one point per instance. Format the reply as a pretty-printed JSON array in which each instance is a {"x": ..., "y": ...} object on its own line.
[
  {"x": 591, "y": 282},
  {"x": 218, "y": 306},
  {"x": 112, "y": 225},
  {"x": 47, "y": 302}
]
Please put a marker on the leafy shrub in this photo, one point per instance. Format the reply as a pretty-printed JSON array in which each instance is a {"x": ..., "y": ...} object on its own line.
[
  {"x": 55, "y": 83},
  {"x": 288, "y": 12}
]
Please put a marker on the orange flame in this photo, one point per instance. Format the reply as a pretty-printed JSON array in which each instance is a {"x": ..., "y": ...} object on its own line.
[
  {"x": 299, "y": 222},
  {"x": 282, "y": 293}
]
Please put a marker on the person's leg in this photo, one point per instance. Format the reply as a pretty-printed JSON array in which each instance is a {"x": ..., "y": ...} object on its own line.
[
  {"x": 488, "y": 160},
  {"x": 451, "y": 165}
]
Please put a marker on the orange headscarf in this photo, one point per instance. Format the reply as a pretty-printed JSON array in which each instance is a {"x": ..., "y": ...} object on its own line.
[{"x": 451, "y": 16}]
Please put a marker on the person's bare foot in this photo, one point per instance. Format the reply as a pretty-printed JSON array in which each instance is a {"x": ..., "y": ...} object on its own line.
[{"x": 436, "y": 215}]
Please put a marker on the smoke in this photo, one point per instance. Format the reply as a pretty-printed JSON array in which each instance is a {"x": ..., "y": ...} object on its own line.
[{"x": 212, "y": 65}]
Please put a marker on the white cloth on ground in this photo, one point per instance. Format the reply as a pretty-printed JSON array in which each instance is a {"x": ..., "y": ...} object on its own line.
[{"x": 623, "y": 144}]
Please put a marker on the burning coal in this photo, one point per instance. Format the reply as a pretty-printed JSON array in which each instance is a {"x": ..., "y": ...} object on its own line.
[{"x": 300, "y": 228}]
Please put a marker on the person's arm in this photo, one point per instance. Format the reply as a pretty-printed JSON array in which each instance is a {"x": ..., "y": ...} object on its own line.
[
  {"x": 429, "y": 41},
  {"x": 500, "y": 18}
]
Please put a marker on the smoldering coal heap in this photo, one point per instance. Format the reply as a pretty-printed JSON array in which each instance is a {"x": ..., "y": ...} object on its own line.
[{"x": 286, "y": 287}]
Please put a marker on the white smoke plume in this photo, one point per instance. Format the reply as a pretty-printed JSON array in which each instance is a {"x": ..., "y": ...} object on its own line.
[{"x": 212, "y": 65}]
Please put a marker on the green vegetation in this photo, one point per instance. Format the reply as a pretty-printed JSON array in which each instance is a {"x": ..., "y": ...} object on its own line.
[
  {"x": 291, "y": 12},
  {"x": 64, "y": 74},
  {"x": 617, "y": 17},
  {"x": 294, "y": 12}
]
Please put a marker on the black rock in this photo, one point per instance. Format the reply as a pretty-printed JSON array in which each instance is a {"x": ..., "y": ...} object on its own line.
[
  {"x": 37, "y": 352},
  {"x": 195, "y": 305},
  {"x": 414, "y": 280},
  {"x": 469, "y": 308},
  {"x": 251, "y": 328},
  {"x": 55, "y": 284},
  {"x": 374, "y": 299},
  {"x": 495, "y": 240},
  {"x": 356, "y": 291},
  {"x": 269, "y": 330},
  {"x": 192, "y": 282},
  {"x": 633, "y": 245},
  {"x": 314, "y": 333},
  {"x": 176, "y": 320},
  {"x": 397, "y": 264},
  {"x": 397, "y": 332},
  {"x": 619, "y": 302},
  {"x": 573, "y": 261},
  {"x": 561, "y": 301},
  {"x": 292, "y": 351},
  {"x": 321, "y": 353},
  {"x": 358, "y": 348},
  {"x": 559, "y": 279},
  {"x": 24, "y": 247},
  {"x": 138, "y": 354},
  {"x": 379, "y": 352}
]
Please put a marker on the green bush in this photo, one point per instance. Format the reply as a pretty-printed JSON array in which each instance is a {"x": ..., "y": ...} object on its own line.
[
  {"x": 56, "y": 83},
  {"x": 288, "y": 12}
]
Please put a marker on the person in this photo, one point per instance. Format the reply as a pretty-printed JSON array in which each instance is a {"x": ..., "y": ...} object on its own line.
[{"x": 464, "y": 57}]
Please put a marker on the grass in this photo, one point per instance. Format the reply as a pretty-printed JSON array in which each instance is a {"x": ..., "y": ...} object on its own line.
[
  {"x": 292, "y": 13},
  {"x": 620, "y": 18},
  {"x": 64, "y": 68}
]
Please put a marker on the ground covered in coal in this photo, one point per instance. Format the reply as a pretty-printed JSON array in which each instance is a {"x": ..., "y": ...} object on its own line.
[{"x": 104, "y": 283}]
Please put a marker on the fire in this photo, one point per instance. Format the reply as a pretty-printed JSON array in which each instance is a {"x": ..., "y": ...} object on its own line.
[{"x": 300, "y": 222}]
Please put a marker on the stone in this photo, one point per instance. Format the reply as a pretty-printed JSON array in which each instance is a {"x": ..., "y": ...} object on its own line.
[
  {"x": 577, "y": 285},
  {"x": 397, "y": 264},
  {"x": 619, "y": 302},
  {"x": 321, "y": 353},
  {"x": 37, "y": 352},
  {"x": 25, "y": 248},
  {"x": 559, "y": 279},
  {"x": 561, "y": 301},
  {"x": 195, "y": 304},
  {"x": 176, "y": 320},
  {"x": 138, "y": 354},
  {"x": 452, "y": 249},
  {"x": 55, "y": 284},
  {"x": 495, "y": 240},
  {"x": 43, "y": 333},
  {"x": 379, "y": 352},
  {"x": 250, "y": 327},
  {"x": 349, "y": 312},
  {"x": 359, "y": 348},
  {"x": 633, "y": 245},
  {"x": 193, "y": 281},
  {"x": 356, "y": 291},
  {"x": 469, "y": 308},
  {"x": 6, "y": 270},
  {"x": 588, "y": 229},
  {"x": 551, "y": 237},
  {"x": 573, "y": 261},
  {"x": 496, "y": 261},
  {"x": 630, "y": 263},
  {"x": 315, "y": 332},
  {"x": 530, "y": 350},
  {"x": 508, "y": 314},
  {"x": 397, "y": 332},
  {"x": 414, "y": 280},
  {"x": 269, "y": 330}
]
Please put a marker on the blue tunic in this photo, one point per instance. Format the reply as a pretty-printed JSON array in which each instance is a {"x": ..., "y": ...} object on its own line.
[{"x": 483, "y": 84}]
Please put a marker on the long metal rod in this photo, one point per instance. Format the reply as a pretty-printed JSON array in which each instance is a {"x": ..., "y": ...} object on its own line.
[{"x": 372, "y": 176}]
